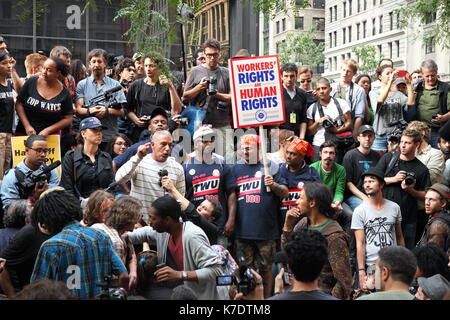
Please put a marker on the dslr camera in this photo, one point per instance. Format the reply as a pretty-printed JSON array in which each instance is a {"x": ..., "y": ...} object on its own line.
[
  {"x": 110, "y": 292},
  {"x": 410, "y": 178},
  {"x": 245, "y": 282},
  {"x": 212, "y": 85}
]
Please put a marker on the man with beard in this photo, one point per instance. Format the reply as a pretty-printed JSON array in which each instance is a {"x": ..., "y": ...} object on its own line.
[
  {"x": 377, "y": 223},
  {"x": 94, "y": 85}
]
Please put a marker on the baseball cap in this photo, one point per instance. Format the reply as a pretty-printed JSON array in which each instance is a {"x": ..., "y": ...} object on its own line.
[
  {"x": 137, "y": 56},
  {"x": 159, "y": 112},
  {"x": 399, "y": 81},
  {"x": 90, "y": 123},
  {"x": 435, "y": 287},
  {"x": 2, "y": 39},
  {"x": 373, "y": 171},
  {"x": 202, "y": 132},
  {"x": 365, "y": 128},
  {"x": 442, "y": 189}
]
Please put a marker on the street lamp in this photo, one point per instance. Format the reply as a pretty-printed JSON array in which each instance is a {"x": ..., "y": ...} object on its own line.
[{"x": 185, "y": 13}]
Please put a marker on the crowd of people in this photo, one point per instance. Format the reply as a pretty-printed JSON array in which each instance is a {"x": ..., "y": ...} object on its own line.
[{"x": 160, "y": 198}]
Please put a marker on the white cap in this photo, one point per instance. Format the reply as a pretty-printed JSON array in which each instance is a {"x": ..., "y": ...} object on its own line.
[{"x": 203, "y": 131}]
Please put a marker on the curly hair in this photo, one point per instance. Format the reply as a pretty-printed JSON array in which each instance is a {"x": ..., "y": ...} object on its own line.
[
  {"x": 16, "y": 214},
  {"x": 93, "y": 208},
  {"x": 431, "y": 260},
  {"x": 307, "y": 253},
  {"x": 124, "y": 213}
]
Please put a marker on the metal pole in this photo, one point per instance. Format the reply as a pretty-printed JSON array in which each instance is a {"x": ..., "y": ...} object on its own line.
[
  {"x": 183, "y": 53},
  {"x": 87, "y": 35}
]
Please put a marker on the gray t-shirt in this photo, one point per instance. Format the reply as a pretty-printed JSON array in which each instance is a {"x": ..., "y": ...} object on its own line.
[
  {"x": 391, "y": 110},
  {"x": 218, "y": 112},
  {"x": 379, "y": 227}
]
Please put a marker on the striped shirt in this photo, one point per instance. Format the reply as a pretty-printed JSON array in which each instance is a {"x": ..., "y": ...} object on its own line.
[
  {"x": 145, "y": 180},
  {"x": 80, "y": 257}
]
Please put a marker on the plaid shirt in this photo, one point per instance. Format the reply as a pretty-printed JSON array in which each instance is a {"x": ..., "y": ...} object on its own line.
[{"x": 75, "y": 247}]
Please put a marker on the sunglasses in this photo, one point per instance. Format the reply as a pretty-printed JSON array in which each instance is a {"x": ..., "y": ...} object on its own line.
[{"x": 305, "y": 80}]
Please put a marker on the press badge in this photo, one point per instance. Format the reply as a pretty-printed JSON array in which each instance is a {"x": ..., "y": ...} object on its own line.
[{"x": 293, "y": 117}]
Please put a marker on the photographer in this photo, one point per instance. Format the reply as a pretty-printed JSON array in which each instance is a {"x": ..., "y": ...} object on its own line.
[
  {"x": 406, "y": 179},
  {"x": 147, "y": 94},
  {"x": 94, "y": 85},
  {"x": 146, "y": 170},
  {"x": 207, "y": 87},
  {"x": 328, "y": 117},
  {"x": 306, "y": 253},
  {"x": 19, "y": 182},
  {"x": 389, "y": 105}
]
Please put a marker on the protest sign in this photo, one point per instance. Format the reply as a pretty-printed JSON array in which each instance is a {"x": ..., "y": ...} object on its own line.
[
  {"x": 257, "y": 92},
  {"x": 18, "y": 149}
]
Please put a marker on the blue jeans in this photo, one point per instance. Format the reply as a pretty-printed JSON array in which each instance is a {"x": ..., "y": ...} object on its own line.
[
  {"x": 409, "y": 233},
  {"x": 353, "y": 202}
]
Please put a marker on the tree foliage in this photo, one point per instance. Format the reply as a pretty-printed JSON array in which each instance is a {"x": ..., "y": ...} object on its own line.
[
  {"x": 423, "y": 12},
  {"x": 300, "y": 48},
  {"x": 368, "y": 58}
]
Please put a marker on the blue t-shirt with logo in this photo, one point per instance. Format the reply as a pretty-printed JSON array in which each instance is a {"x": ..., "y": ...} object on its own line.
[
  {"x": 258, "y": 211},
  {"x": 207, "y": 181}
]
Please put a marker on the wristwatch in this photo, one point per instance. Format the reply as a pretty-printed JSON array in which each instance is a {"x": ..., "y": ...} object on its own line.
[{"x": 184, "y": 275}]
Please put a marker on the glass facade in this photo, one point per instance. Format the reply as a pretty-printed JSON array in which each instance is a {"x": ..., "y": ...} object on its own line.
[{"x": 63, "y": 24}]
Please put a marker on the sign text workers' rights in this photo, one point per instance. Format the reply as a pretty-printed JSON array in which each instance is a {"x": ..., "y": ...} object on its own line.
[{"x": 257, "y": 95}]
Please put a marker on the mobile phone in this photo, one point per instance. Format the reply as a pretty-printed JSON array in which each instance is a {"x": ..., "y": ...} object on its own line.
[
  {"x": 434, "y": 116},
  {"x": 401, "y": 73}
]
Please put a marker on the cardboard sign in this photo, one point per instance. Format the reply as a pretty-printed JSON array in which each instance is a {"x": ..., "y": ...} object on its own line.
[
  {"x": 18, "y": 149},
  {"x": 257, "y": 91}
]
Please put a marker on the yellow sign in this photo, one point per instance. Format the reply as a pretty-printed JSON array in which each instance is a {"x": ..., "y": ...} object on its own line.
[{"x": 18, "y": 149}]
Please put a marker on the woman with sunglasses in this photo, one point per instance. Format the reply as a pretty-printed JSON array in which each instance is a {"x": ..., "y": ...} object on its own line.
[{"x": 44, "y": 105}]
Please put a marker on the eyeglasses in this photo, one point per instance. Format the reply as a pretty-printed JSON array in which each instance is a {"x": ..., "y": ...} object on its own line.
[
  {"x": 40, "y": 150},
  {"x": 305, "y": 80},
  {"x": 212, "y": 55}
]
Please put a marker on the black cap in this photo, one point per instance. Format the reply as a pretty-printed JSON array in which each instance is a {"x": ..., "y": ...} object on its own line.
[
  {"x": 373, "y": 171},
  {"x": 365, "y": 128},
  {"x": 444, "y": 132},
  {"x": 159, "y": 111}
]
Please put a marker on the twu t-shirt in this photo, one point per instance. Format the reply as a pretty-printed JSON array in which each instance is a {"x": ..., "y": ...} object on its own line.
[
  {"x": 206, "y": 181},
  {"x": 42, "y": 113},
  {"x": 295, "y": 182},
  {"x": 258, "y": 211}
]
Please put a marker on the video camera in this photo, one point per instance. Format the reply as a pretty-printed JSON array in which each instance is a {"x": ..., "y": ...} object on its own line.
[
  {"x": 212, "y": 88},
  {"x": 395, "y": 136},
  {"x": 105, "y": 99},
  {"x": 39, "y": 176},
  {"x": 110, "y": 292},
  {"x": 245, "y": 282}
]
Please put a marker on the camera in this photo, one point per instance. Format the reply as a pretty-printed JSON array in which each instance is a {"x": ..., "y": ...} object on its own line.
[
  {"x": 145, "y": 118},
  {"x": 162, "y": 173},
  {"x": 39, "y": 176},
  {"x": 245, "y": 282},
  {"x": 395, "y": 136},
  {"x": 110, "y": 292},
  {"x": 212, "y": 89},
  {"x": 184, "y": 121},
  {"x": 328, "y": 123},
  {"x": 124, "y": 83},
  {"x": 410, "y": 178}
]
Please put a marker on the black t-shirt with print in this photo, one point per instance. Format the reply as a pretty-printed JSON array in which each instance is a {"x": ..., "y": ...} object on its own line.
[
  {"x": 42, "y": 113},
  {"x": 142, "y": 98},
  {"x": 6, "y": 107}
]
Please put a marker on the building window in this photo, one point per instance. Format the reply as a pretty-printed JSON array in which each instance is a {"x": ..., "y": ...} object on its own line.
[
  {"x": 342, "y": 57},
  {"x": 350, "y": 7},
  {"x": 373, "y": 27},
  {"x": 398, "y": 20},
  {"x": 330, "y": 37},
  {"x": 299, "y": 23},
  {"x": 365, "y": 4},
  {"x": 299, "y": 3},
  {"x": 278, "y": 28},
  {"x": 283, "y": 23},
  {"x": 319, "y": 23},
  {"x": 335, "y": 63},
  {"x": 374, "y": 3},
  {"x": 430, "y": 18},
  {"x": 335, "y": 38},
  {"x": 381, "y": 24},
  {"x": 344, "y": 5},
  {"x": 397, "y": 45},
  {"x": 364, "y": 29},
  {"x": 331, "y": 14},
  {"x": 349, "y": 55},
  {"x": 349, "y": 34},
  {"x": 381, "y": 2},
  {"x": 6, "y": 10},
  {"x": 429, "y": 47},
  {"x": 319, "y": 4},
  {"x": 391, "y": 21},
  {"x": 344, "y": 31},
  {"x": 390, "y": 49},
  {"x": 358, "y": 6},
  {"x": 380, "y": 49},
  {"x": 330, "y": 64},
  {"x": 358, "y": 25},
  {"x": 335, "y": 12},
  {"x": 278, "y": 46}
]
